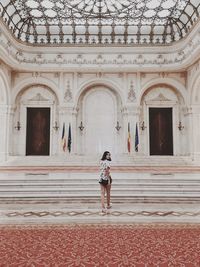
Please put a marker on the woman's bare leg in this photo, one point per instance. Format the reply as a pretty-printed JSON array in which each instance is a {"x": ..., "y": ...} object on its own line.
[
  {"x": 108, "y": 188},
  {"x": 103, "y": 189}
]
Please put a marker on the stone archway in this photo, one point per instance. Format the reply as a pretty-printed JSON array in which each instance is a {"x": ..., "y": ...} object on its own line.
[
  {"x": 99, "y": 110},
  {"x": 163, "y": 98},
  {"x": 34, "y": 97}
]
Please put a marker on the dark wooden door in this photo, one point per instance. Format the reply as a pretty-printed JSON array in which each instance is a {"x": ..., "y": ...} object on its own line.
[
  {"x": 161, "y": 132},
  {"x": 38, "y": 131}
]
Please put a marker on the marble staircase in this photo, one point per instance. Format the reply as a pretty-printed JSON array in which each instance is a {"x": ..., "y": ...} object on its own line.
[
  {"x": 80, "y": 187},
  {"x": 82, "y": 160}
]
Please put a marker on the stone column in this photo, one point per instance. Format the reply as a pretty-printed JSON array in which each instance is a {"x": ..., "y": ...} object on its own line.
[
  {"x": 15, "y": 135},
  {"x": 184, "y": 127},
  {"x": 74, "y": 130},
  {"x": 190, "y": 133},
  {"x": 194, "y": 132},
  {"x": 4, "y": 132},
  {"x": 54, "y": 130},
  {"x": 125, "y": 129},
  {"x": 177, "y": 135}
]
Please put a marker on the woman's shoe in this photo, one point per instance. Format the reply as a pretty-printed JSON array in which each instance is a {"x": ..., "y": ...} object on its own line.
[
  {"x": 104, "y": 211},
  {"x": 109, "y": 207}
]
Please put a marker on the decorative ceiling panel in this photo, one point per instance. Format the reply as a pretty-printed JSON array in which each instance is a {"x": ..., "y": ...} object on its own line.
[{"x": 100, "y": 22}]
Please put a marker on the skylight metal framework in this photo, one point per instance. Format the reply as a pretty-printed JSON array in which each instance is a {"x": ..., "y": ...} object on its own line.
[{"x": 99, "y": 22}]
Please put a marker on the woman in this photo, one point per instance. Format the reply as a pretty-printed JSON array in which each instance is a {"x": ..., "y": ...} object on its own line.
[{"x": 105, "y": 180}]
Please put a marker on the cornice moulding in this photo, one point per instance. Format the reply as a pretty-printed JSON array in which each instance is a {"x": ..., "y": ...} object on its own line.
[{"x": 176, "y": 57}]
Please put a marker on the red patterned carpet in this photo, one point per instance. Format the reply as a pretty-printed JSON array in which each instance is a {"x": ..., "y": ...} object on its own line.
[{"x": 100, "y": 245}]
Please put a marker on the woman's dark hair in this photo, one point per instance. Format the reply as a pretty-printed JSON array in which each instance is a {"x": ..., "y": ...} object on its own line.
[{"x": 104, "y": 156}]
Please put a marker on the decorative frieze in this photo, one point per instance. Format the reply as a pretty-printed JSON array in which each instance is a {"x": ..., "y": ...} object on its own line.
[
  {"x": 185, "y": 52},
  {"x": 163, "y": 74},
  {"x": 59, "y": 59},
  {"x": 99, "y": 74},
  {"x": 161, "y": 98},
  {"x": 39, "y": 59},
  {"x": 160, "y": 59},
  {"x": 36, "y": 74},
  {"x": 93, "y": 59},
  {"x": 108, "y": 59},
  {"x": 20, "y": 56},
  {"x": 38, "y": 97}
]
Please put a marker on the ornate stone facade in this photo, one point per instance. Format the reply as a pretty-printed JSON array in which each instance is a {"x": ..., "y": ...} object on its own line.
[{"x": 69, "y": 81}]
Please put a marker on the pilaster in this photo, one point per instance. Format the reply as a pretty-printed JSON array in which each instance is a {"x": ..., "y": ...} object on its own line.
[{"x": 4, "y": 131}]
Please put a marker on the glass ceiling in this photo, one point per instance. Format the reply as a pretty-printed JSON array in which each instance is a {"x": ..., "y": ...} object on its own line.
[{"x": 99, "y": 22}]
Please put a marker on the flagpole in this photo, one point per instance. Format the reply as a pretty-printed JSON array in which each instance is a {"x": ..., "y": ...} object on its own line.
[
  {"x": 136, "y": 138},
  {"x": 129, "y": 139},
  {"x": 63, "y": 138},
  {"x": 69, "y": 141}
]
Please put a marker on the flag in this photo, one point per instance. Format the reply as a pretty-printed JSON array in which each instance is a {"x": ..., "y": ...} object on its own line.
[
  {"x": 69, "y": 139},
  {"x": 63, "y": 138},
  {"x": 129, "y": 139},
  {"x": 136, "y": 138}
]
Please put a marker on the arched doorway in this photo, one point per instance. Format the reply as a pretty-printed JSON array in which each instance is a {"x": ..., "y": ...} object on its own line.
[
  {"x": 162, "y": 110},
  {"x": 161, "y": 131},
  {"x": 35, "y": 111},
  {"x": 38, "y": 131},
  {"x": 98, "y": 110}
]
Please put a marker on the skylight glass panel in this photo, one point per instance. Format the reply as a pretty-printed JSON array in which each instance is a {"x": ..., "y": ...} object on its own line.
[{"x": 114, "y": 21}]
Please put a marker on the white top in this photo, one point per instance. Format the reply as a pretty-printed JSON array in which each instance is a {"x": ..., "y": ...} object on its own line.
[{"x": 104, "y": 169}]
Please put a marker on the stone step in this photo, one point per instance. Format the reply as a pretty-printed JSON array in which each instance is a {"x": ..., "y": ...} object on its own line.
[
  {"x": 93, "y": 160},
  {"x": 83, "y": 187},
  {"x": 96, "y": 199},
  {"x": 123, "y": 177},
  {"x": 116, "y": 182},
  {"x": 86, "y": 184},
  {"x": 86, "y": 196},
  {"x": 68, "y": 170},
  {"x": 81, "y": 190}
]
